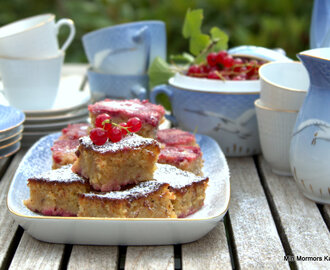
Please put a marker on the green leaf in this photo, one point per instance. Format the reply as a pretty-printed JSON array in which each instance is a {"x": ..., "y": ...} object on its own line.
[
  {"x": 221, "y": 39},
  {"x": 192, "y": 23},
  {"x": 159, "y": 72},
  {"x": 199, "y": 43},
  {"x": 184, "y": 58},
  {"x": 164, "y": 100}
]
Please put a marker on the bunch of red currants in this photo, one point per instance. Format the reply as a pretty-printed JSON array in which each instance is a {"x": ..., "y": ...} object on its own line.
[
  {"x": 223, "y": 66},
  {"x": 106, "y": 129}
]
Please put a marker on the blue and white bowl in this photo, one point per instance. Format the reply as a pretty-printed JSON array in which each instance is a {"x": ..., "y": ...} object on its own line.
[{"x": 223, "y": 110}]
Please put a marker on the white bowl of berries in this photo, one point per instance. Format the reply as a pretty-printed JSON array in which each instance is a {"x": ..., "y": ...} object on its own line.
[{"x": 217, "y": 99}]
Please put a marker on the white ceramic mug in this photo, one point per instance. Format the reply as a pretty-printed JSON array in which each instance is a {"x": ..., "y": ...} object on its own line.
[
  {"x": 31, "y": 84},
  {"x": 34, "y": 37},
  {"x": 275, "y": 129},
  {"x": 283, "y": 85}
]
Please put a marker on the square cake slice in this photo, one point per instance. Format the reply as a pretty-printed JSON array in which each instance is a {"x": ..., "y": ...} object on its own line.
[
  {"x": 65, "y": 147},
  {"x": 174, "y": 137},
  {"x": 187, "y": 158},
  {"x": 55, "y": 192},
  {"x": 113, "y": 165},
  {"x": 189, "y": 189},
  {"x": 150, "y": 114},
  {"x": 149, "y": 199}
]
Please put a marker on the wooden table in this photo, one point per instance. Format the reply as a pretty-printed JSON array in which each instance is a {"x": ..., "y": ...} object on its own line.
[{"x": 268, "y": 221}]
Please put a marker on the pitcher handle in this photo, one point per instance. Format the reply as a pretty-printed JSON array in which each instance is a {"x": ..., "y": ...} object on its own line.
[
  {"x": 70, "y": 24},
  {"x": 163, "y": 89},
  {"x": 139, "y": 92}
]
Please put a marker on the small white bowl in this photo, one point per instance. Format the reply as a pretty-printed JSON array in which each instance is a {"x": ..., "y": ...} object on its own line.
[
  {"x": 275, "y": 130},
  {"x": 283, "y": 85}
]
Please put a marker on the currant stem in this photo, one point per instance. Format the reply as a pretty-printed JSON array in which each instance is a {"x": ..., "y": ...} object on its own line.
[{"x": 108, "y": 121}]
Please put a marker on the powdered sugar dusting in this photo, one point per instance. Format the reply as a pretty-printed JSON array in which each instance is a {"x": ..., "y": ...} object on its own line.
[
  {"x": 140, "y": 190},
  {"x": 175, "y": 177},
  {"x": 63, "y": 174},
  {"x": 131, "y": 141}
]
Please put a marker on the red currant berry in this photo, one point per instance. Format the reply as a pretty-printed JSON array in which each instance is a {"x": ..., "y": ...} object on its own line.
[
  {"x": 194, "y": 70},
  {"x": 213, "y": 75},
  {"x": 98, "y": 136},
  {"x": 240, "y": 77},
  {"x": 238, "y": 64},
  {"x": 123, "y": 131},
  {"x": 253, "y": 77},
  {"x": 228, "y": 61},
  {"x": 114, "y": 134},
  {"x": 221, "y": 56},
  {"x": 205, "y": 69},
  {"x": 99, "y": 121},
  {"x": 134, "y": 124},
  {"x": 212, "y": 59}
]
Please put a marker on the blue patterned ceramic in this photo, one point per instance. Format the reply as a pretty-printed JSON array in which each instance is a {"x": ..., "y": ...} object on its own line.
[
  {"x": 10, "y": 118},
  {"x": 10, "y": 141},
  {"x": 320, "y": 24},
  {"x": 117, "y": 86},
  {"x": 222, "y": 110},
  {"x": 126, "y": 48},
  {"x": 310, "y": 143},
  {"x": 10, "y": 150},
  {"x": 260, "y": 53}
]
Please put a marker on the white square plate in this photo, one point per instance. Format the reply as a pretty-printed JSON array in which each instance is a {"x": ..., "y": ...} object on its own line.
[{"x": 120, "y": 231}]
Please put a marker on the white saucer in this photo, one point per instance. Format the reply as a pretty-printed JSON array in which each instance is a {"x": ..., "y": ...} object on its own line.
[
  {"x": 55, "y": 126},
  {"x": 69, "y": 97},
  {"x": 79, "y": 113}
]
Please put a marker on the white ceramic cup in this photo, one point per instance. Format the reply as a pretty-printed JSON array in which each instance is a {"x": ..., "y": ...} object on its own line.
[
  {"x": 31, "y": 84},
  {"x": 34, "y": 37},
  {"x": 275, "y": 130},
  {"x": 283, "y": 85}
]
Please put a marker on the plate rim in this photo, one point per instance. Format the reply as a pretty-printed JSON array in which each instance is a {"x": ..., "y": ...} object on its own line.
[
  {"x": 11, "y": 153},
  {"x": 106, "y": 219},
  {"x": 11, "y": 136},
  {"x": 12, "y": 143}
]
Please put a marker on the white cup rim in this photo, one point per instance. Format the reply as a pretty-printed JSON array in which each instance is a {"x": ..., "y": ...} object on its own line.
[
  {"x": 263, "y": 107},
  {"x": 50, "y": 17},
  {"x": 59, "y": 55},
  {"x": 262, "y": 77}
]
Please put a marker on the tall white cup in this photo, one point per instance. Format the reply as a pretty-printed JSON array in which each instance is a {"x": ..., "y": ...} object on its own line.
[
  {"x": 34, "y": 37},
  {"x": 31, "y": 84}
]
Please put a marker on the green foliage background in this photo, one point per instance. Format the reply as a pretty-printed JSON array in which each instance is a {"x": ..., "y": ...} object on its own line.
[{"x": 269, "y": 23}]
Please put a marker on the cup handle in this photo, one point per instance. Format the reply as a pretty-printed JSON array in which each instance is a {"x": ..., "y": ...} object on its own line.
[
  {"x": 163, "y": 89},
  {"x": 139, "y": 92},
  {"x": 70, "y": 24},
  {"x": 143, "y": 35}
]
